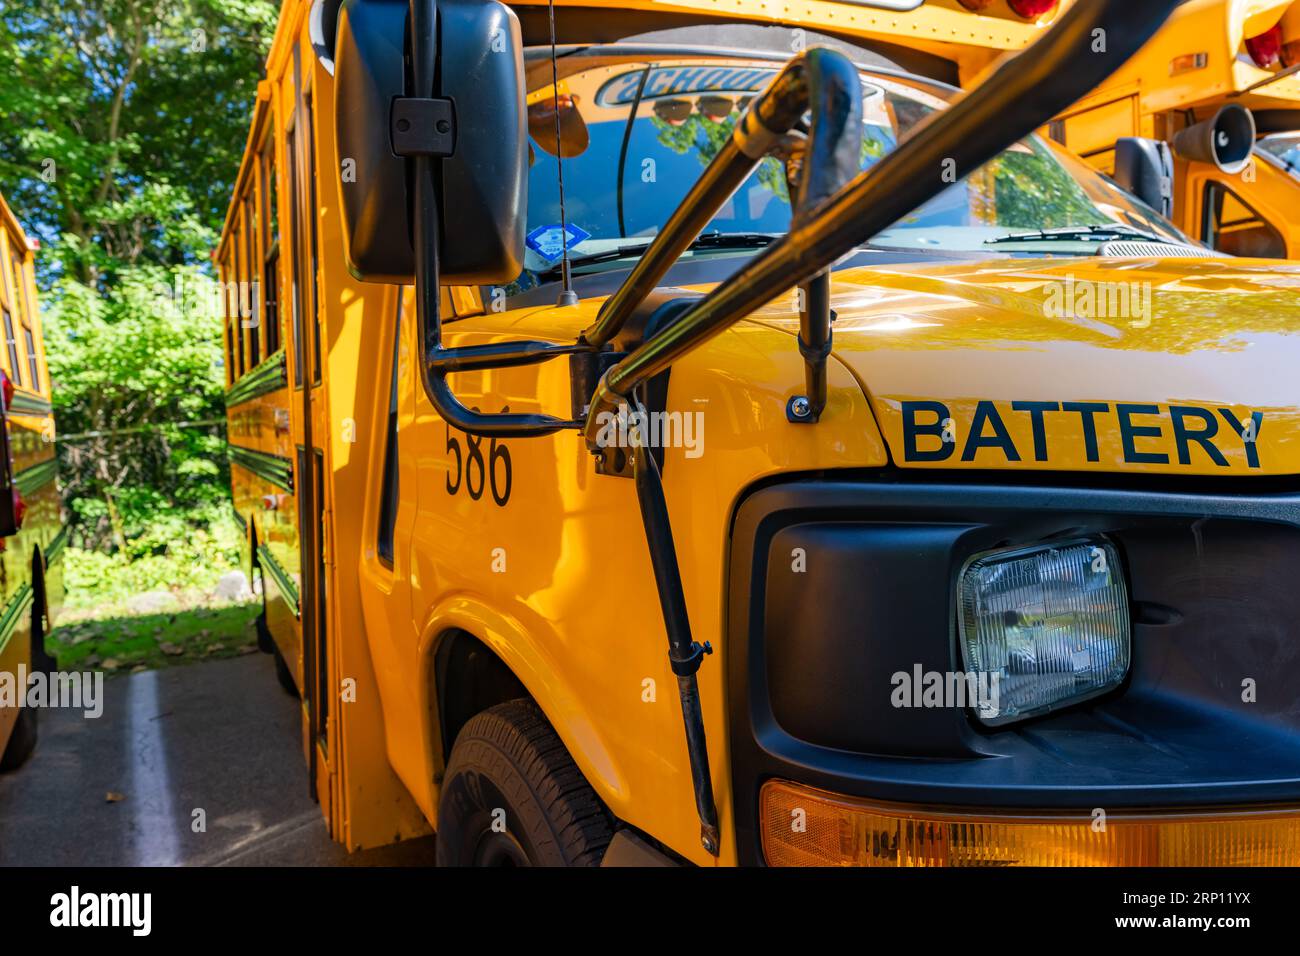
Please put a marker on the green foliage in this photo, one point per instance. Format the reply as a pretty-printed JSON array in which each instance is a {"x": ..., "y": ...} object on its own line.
[
  {"x": 169, "y": 555},
  {"x": 122, "y": 123},
  {"x": 1033, "y": 191},
  {"x": 705, "y": 137},
  {"x": 128, "y": 365},
  {"x": 137, "y": 642},
  {"x": 141, "y": 109}
]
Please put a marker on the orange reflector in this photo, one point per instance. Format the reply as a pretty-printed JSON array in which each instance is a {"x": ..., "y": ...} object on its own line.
[{"x": 806, "y": 827}]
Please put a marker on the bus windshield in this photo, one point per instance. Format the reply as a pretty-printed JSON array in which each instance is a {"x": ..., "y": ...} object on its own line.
[
  {"x": 1284, "y": 149},
  {"x": 634, "y": 136}
]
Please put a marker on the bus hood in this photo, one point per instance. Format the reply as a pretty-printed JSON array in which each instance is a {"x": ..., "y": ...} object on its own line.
[{"x": 1178, "y": 366}]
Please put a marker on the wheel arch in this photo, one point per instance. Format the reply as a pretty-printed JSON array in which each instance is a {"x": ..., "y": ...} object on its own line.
[{"x": 470, "y": 640}]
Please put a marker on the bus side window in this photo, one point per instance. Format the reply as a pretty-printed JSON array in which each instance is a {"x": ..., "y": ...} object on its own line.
[
  {"x": 230, "y": 353},
  {"x": 295, "y": 252},
  {"x": 1230, "y": 225},
  {"x": 270, "y": 252},
  {"x": 251, "y": 270},
  {"x": 24, "y": 310},
  {"x": 11, "y": 344},
  {"x": 224, "y": 277},
  {"x": 8, "y": 303},
  {"x": 310, "y": 214},
  {"x": 238, "y": 301},
  {"x": 33, "y": 368}
]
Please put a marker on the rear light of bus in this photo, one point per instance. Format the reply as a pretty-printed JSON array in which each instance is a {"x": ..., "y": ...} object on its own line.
[
  {"x": 6, "y": 389},
  {"x": 1266, "y": 48},
  {"x": 977, "y": 6},
  {"x": 1031, "y": 9},
  {"x": 20, "y": 509},
  {"x": 802, "y": 826}
]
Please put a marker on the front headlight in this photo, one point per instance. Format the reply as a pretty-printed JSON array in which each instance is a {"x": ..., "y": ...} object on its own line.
[{"x": 1049, "y": 625}]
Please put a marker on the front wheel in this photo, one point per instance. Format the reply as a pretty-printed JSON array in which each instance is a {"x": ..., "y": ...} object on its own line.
[
  {"x": 513, "y": 796},
  {"x": 283, "y": 672}
]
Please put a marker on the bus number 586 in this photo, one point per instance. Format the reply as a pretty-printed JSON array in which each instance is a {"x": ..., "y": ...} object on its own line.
[{"x": 475, "y": 469}]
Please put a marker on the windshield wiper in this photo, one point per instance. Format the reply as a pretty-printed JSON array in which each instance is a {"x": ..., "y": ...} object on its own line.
[
  {"x": 605, "y": 255},
  {"x": 1076, "y": 233},
  {"x": 733, "y": 240},
  {"x": 713, "y": 240}
]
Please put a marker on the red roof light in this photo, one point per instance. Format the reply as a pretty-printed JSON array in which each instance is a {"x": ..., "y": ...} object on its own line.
[
  {"x": 1266, "y": 48},
  {"x": 1031, "y": 9}
]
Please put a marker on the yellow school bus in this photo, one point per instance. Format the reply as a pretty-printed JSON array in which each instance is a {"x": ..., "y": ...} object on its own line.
[
  {"x": 676, "y": 434},
  {"x": 1219, "y": 74},
  {"x": 32, "y": 532}
]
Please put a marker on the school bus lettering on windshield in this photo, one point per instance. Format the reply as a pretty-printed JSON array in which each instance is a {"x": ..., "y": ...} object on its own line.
[
  {"x": 1145, "y": 431},
  {"x": 676, "y": 80},
  {"x": 476, "y": 470}
]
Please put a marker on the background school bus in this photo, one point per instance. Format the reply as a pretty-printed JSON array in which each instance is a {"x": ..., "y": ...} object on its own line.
[
  {"x": 32, "y": 532},
  {"x": 1210, "y": 55}
]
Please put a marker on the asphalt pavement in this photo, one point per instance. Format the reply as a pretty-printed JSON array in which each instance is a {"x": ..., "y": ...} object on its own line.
[{"x": 196, "y": 765}]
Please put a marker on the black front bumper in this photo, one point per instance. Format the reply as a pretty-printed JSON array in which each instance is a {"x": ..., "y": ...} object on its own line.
[{"x": 1214, "y": 585}]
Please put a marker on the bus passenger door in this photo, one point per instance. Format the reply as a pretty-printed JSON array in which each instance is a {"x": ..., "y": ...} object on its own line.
[{"x": 310, "y": 432}]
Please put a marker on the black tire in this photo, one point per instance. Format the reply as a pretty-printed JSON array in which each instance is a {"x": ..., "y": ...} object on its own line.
[
  {"x": 21, "y": 742},
  {"x": 283, "y": 674},
  {"x": 509, "y": 758},
  {"x": 266, "y": 643}
]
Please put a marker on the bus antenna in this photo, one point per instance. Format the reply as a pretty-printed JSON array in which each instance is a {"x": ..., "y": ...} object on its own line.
[{"x": 567, "y": 295}]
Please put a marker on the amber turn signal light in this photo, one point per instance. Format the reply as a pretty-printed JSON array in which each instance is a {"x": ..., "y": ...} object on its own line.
[{"x": 802, "y": 826}]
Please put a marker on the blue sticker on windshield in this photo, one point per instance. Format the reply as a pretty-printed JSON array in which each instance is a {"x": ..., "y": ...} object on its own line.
[{"x": 548, "y": 241}]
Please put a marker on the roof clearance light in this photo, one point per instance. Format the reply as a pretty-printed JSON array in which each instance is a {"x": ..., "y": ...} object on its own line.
[
  {"x": 1266, "y": 49},
  {"x": 1049, "y": 625},
  {"x": 1188, "y": 62},
  {"x": 1031, "y": 9}
]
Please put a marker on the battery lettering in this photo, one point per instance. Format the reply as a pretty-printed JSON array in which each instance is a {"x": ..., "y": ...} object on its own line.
[{"x": 1196, "y": 434}]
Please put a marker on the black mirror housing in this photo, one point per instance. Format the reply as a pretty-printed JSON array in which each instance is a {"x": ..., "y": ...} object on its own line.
[
  {"x": 483, "y": 178},
  {"x": 1145, "y": 167}
]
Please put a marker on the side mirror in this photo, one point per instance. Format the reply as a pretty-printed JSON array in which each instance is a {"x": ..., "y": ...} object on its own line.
[
  {"x": 11, "y": 502},
  {"x": 1225, "y": 139},
  {"x": 473, "y": 125},
  {"x": 1145, "y": 167}
]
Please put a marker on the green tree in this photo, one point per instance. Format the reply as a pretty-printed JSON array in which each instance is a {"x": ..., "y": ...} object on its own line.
[{"x": 122, "y": 123}]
